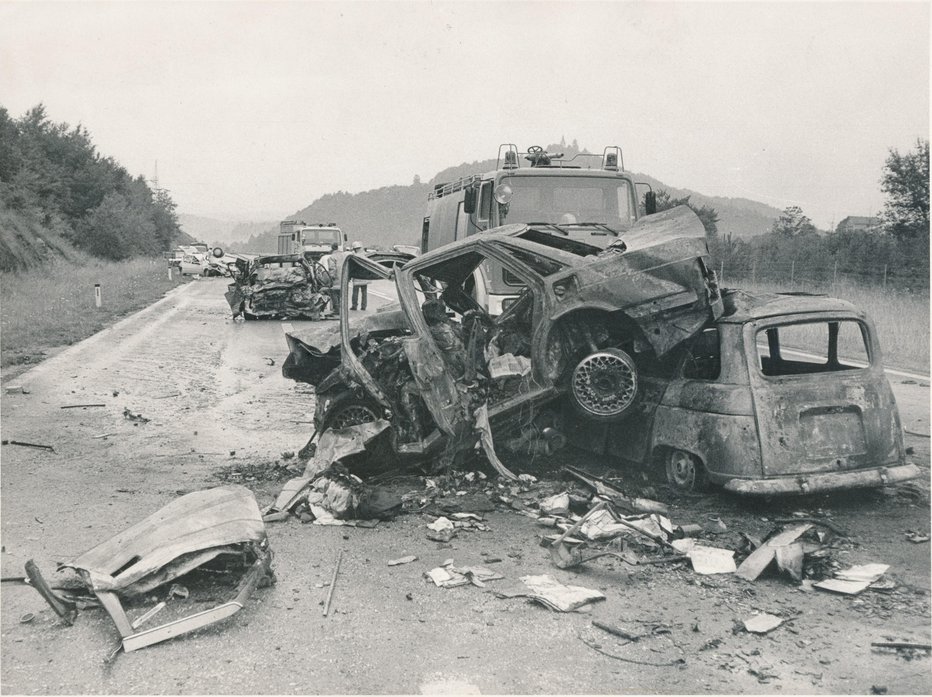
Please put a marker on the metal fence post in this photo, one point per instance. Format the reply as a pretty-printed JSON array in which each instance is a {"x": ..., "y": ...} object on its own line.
[
  {"x": 885, "y": 278},
  {"x": 793, "y": 271},
  {"x": 754, "y": 272}
]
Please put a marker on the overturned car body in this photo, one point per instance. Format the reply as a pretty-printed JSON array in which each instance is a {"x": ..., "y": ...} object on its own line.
[
  {"x": 282, "y": 286},
  {"x": 590, "y": 307}
]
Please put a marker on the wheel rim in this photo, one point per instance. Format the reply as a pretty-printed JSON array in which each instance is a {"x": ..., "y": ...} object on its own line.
[
  {"x": 353, "y": 415},
  {"x": 605, "y": 384},
  {"x": 681, "y": 470}
]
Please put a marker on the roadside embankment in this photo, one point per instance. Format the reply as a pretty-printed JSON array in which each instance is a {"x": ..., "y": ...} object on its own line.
[{"x": 44, "y": 309}]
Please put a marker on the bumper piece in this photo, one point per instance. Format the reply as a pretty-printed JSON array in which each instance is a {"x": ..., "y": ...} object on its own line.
[{"x": 829, "y": 481}]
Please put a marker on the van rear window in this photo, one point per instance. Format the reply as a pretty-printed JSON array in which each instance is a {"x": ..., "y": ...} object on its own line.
[{"x": 812, "y": 347}]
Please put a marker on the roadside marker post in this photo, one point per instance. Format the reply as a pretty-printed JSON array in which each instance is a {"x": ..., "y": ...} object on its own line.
[
  {"x": 169, "y": 272},
  {"x": 97, "y": 294}
]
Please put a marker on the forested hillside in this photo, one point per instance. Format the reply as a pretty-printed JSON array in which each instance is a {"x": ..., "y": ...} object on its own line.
[
  {"x": 59, "y": 198},
  {"x": 394, "y": 214}
]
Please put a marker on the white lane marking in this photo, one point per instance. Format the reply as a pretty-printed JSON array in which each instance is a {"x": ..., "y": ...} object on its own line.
[
  {"x": 448, "y": 686},
  {"x": 380, "y": 295},
  {"x": 859, "y": 364}
]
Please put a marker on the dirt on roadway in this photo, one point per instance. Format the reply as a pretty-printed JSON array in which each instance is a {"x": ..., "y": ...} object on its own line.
[{"x": 219, "y": 411}]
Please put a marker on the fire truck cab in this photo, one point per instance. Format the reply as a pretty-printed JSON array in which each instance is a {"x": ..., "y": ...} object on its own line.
[
  {"x": 586, "y": 188},
  {"x": 313, "y": 241}
]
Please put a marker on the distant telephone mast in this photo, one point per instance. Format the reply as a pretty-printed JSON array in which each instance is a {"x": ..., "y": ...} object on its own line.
[{"x": 155, "y": 181}]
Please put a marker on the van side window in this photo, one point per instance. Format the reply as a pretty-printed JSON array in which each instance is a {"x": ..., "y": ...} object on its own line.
[
  {"x": 812, "y": 347},
  {"x": 702, "y": 357}
]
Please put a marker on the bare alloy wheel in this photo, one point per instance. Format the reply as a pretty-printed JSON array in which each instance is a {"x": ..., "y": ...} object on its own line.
[
  {"x": 684, "y": 471},
  {"x": 351, "y": 414},
  {"x": 604, "y": 385}
]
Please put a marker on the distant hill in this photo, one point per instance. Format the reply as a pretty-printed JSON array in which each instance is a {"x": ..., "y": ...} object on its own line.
[
  {"x": 226, "y": 233},
  {"x": 394, "y": 214},
  {"x": 740, "y": 217}
]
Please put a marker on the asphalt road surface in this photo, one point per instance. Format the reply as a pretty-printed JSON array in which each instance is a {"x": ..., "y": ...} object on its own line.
[{"x": 220, "y": 411}]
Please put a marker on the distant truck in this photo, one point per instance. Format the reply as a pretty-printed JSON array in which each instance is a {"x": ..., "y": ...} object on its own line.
[{"x": 313, "y": 241}]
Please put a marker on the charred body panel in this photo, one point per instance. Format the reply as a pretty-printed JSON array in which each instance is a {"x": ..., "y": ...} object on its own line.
[
  {"x": 278, "y": 287},
  {"x": 657, "y": 275},
  {"x": 314, "y": 353}
]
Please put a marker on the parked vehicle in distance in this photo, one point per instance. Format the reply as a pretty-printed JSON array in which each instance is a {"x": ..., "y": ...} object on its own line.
[
  {"x": 279, "y": 286},
  {"x": 410, "y": 249},
  {"x": 781, "y": 394},
  {"x": 193, "y": 265}
]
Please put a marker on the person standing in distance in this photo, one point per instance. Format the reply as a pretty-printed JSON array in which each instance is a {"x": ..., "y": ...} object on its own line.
[
  {"x": 335, "y": 268},
  {"x": 360, "y": 285}
]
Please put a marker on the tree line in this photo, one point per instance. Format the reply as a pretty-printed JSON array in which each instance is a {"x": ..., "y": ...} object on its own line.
[
  {"x": 894, "y": 248},
  {"x": 52, "y": 174}
]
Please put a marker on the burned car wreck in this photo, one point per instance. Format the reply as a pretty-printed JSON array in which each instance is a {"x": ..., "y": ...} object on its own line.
[
  {"x": 741, "y": 405},
  {"x": 590, "y": 308},
  {"x": 278, "y": 287}
]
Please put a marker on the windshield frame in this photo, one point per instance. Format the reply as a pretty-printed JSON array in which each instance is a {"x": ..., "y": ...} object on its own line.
[{"x": 552, "y": 182}]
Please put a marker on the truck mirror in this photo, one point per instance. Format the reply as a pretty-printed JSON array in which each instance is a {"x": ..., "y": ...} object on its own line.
[
  {"x": 469, "y": 202},
  {"x": 650, "y": 202},
  {"x": 217, "y": 252}
]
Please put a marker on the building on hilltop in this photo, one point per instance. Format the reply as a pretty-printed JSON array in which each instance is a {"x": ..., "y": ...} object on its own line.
[{"x": 858, "y": 223}]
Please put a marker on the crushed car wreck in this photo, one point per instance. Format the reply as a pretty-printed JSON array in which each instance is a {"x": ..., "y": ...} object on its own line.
[
  {"x": 278, "y": 287},
  {"x": 220, "y": 527},
  {"x": 663, "y": 371},
  {"x": 590, "y": 308}
]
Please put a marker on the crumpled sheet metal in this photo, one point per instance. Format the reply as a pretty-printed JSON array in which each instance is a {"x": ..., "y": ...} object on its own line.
[
  {"x": 488, "y": 447},
  {"x": 179, "y": 537},
  {"x": 336, "y": 443}
]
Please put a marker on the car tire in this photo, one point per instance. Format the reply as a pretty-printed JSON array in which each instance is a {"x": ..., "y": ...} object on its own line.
[
  {"x": 604, "y": 385},
  {"x": 350, "y": 410},
  {"x": 685, "y": 471}
]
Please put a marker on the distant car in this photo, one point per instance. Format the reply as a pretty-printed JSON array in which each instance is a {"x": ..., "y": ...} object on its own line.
[
  {"x": 408, "y": 249},
  {"x": 193, "y": 265},
  {"x": 584, "y": 318},
  {"x": 280, "y": 286},
  {"x": 782, "y": 394}
]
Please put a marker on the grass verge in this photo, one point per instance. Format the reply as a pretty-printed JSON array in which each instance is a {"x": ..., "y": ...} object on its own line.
[
  {"x": 901, "y": 319},
  {"x": 43, "y": 309}
]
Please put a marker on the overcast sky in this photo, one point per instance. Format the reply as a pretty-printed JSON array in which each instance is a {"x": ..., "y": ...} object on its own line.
[{"x": 253, "y": 110}]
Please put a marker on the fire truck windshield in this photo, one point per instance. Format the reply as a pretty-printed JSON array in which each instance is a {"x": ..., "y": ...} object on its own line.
[
  {"x": 567, "y": 200},
  {"x": 324, "y": 236}
]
